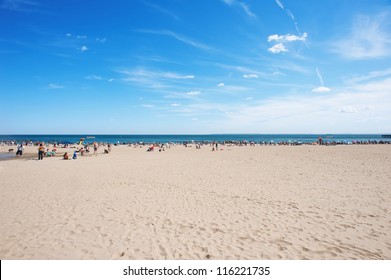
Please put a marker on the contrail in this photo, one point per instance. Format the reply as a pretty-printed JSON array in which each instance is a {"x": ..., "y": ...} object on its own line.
[
  {"x": 290, "y": 14},
  {"x": 320, "y": 77},
  {"x": 280, "y": 4}
]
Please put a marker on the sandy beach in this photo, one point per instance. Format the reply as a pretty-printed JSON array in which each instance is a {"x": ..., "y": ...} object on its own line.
[{"x": 262, "y": 202}]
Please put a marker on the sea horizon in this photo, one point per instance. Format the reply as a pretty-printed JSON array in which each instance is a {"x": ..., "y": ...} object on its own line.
[{"x": 180, "y": 138}]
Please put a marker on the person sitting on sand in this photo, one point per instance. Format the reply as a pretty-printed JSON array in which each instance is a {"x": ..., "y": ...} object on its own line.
[
  {"x": 151, "y": 149},
  {"x": 66, "y": 156}
]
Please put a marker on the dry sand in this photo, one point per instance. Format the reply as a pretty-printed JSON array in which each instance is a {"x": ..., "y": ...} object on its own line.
[{"x": 304, "y": 202}]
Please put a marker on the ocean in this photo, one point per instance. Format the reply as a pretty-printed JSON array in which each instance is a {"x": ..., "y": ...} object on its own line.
[{"x": 122, "y": 138}]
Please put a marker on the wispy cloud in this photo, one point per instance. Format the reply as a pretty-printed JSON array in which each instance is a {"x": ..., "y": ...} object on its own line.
[
  {"x": 320, "y": 77},
  {"x": 290, "y": 14},
  {"x": 369, "y": 38},
  {"x": 93, "y": 77},
  {"x": 193, "y": 93},
  {"x": 348, "y": 109},
  {"x": 228, "y": 2},
  {"x": 250, "y": 76},
  {"x": 147, "y": 106},
  {"x": 221, "y": 85},
  {"x": 353, "y": 110},
  {"x": 179, "y": 37},
  {"x": 83, "y": 49},
  {"x": 322, "y": 88},
  {"x": 54, "y": 86},
  {"x": 244, "y": 6},
  {"x": 242, "y": 69},
  {"x": 20, "y": 5},
  {"x": 101, "y": 40},
  {"x": 370, "y": 76},
  {"x": 154, "y": 79},
  {"x": 246, "y": 9},
  {"x": 280, "y": 4},
  {"x": 160, "y": 9}
]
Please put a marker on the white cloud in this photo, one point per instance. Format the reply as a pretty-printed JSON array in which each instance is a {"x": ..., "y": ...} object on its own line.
[
  {"x": 250, "y": 76},
  {"x": 221, "y": 85},
  {"x": 93, "y": 77},
  {"x": 370, "y": 76},
  {"x": 369, "y": 38},
  {"x": 193, "y": 93},
  {"x": 68, "y": 35},
  {"x": 54, "y": 86},
  {"x": 175, "y": 104},
  {"x": 83, "y": 49},
  {"x": 156, "y": 74},
  {"x": 110, "y": 80},
  {"x": 249, "y": 98},
  {"x": 367, "y": 104},
  {"x": 287, "y": 38},
  {"x": 170, "y": 75},
  {"x": 374, "y": 86},
  {"x": 348, "y": 109},
  {"x": 321, "y": 89},
  {"x": 101, "y": 40},
  {"x": 81, "y": 37},
  {"x": 277, "y": 48}
]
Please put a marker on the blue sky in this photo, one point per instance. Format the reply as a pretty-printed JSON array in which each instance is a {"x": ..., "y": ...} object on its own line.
[{"x": 205, "y": 66}]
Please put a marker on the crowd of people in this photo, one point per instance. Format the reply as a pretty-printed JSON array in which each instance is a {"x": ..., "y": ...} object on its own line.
[{"x": 51, "y": 150}]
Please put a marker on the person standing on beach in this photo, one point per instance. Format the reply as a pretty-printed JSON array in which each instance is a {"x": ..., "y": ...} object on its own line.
[
  {"x": 41, "y": 151},
  {"x": 19, "y": 152},
  {"x": 95, "y": 148},
  {"x": 320, "y": 141}
]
